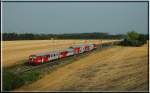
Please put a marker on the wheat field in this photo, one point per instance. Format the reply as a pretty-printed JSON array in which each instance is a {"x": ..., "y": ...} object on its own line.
[
  {"x": 115, "y": 69},
  {"x": 17, "y": 52}
]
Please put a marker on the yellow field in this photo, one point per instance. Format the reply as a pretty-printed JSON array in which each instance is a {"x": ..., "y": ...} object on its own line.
[
  {"x": 15, "y": 52},
  {"x": 114, "y": 69}
]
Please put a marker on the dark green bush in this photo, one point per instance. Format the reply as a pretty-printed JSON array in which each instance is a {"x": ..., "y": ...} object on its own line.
[
  {"x": 8, "y": 79},
  {"x": 134, "y": 39},
  {"x": 12, "y": 81},
  {"x": 30, "y": 76},
  {"x": 128, "y": 42}
]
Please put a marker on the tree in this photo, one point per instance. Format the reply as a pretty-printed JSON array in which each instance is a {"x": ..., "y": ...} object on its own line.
[
  {"x": 134, "y": 39},
  {"x": 132, "y": 35}
]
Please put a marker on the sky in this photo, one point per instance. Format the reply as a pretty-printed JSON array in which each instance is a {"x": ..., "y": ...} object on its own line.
[{"x": 75, "y": 17}]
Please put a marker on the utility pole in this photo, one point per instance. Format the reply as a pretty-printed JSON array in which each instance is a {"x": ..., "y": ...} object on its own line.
[
  {"x": 100, "y": 43},
  {"x": 52, "y": 44}
]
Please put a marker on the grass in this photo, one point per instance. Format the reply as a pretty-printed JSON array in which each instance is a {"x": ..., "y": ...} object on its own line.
[
  {"x": 11, "y": 81},
  {"x": 8, "y": 79}
]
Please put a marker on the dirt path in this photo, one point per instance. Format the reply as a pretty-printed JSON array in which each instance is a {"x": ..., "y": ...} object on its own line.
[{"x": 115, "y": 69}]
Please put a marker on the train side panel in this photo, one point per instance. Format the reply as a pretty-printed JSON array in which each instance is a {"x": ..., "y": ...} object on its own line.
[{"x": 46, "y": 57}]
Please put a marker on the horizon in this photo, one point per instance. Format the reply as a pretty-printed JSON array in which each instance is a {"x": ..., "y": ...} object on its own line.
[{"x": 71, "y": 33}]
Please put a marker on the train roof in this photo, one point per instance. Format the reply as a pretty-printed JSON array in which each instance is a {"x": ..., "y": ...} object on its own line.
[
  {"x": 53, "y": 52},
  {"x": 60, "y": 50},
  {"x": 80, "y": 45}
]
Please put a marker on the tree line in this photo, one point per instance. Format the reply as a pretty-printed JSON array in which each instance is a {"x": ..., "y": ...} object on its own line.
[{"x": 31, "y": 36}]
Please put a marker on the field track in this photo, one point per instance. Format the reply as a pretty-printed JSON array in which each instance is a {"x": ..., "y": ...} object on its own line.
[
  {"x": 115, "y": 69},
  {"x": 17, "y": 52}
]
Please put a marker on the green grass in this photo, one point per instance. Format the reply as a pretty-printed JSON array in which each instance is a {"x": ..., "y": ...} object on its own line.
[
  {"x": 12, "y": 81},
  {"x": 8, "y": 79}
]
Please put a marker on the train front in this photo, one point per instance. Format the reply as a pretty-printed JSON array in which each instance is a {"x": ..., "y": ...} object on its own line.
[{"x": 34, "y": 60}]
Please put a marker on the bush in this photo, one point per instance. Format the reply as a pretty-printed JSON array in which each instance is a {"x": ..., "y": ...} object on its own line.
[
  {"x": 7, "y": 80},
  {"x": 128, "y": 42},
  {"x": 143, "y": 38},
  {"x": 30, "y": 76},
  {"x": 12, "y": 81},
  {"x": 134, "y": 39},
  {"x": 132, "y": 35}
]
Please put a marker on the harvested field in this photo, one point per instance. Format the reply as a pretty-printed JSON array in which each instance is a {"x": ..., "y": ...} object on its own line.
[
  {"x": 115, "y": 69},
  {"x": 17, "y": 52}
]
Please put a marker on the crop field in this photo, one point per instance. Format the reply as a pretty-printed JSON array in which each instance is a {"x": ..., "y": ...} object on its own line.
[
  {"x": 16, "y": 52},
  {"x": 114, "y": 69}
]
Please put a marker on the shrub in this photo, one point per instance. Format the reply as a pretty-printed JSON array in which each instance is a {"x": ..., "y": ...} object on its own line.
[
  {"x": 30, "y": 76},
  {"x": 7, "y": 80},
  {"x": 132, "y": 35},
  {"x": 134, "y": 39},
  {"x": 12, "y": 81}
]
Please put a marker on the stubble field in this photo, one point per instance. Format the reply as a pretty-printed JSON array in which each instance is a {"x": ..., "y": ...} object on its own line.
[
  {"x": 17, "y": 52},
  {"x": 114, "y": 69}
]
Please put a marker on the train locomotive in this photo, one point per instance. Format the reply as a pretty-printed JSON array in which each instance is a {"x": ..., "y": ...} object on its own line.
[{"x": 37, "y": 59}]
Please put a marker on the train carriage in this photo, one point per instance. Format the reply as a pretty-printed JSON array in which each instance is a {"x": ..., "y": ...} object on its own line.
[
  {"x": 43, "y": 57},
  {"x": 78, "y": 48}
]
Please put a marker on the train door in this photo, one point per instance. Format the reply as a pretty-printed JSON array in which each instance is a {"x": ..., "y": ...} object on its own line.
[
  {"x": 87, "y": 48},
  {"x": 38, "y": 60},
  {"x": 52, "y": 55},
  {"x": 70, "y": 52},
  {"x": 94, "y": 46},
  {"x": 83, "y": 49},
  {"x": 56, "y": 55},
  {"x": 46, "y": 58},
  {"x": 76, "y": 50},
  {"x": 63, "y": 54},
  {"x": 90, "y": 46}
]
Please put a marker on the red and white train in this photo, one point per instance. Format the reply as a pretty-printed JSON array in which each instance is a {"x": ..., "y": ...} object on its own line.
[{"x": 37, "y": 59}]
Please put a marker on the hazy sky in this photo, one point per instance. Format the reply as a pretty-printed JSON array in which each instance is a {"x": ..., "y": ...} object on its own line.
[{"x": 75, "y": 17}]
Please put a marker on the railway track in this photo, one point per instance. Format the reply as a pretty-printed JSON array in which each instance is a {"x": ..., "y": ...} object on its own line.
[{"x": 26, "y": 67}]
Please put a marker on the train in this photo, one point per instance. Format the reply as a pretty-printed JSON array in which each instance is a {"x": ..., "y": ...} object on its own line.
[{"x": 40, "y": 58}]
